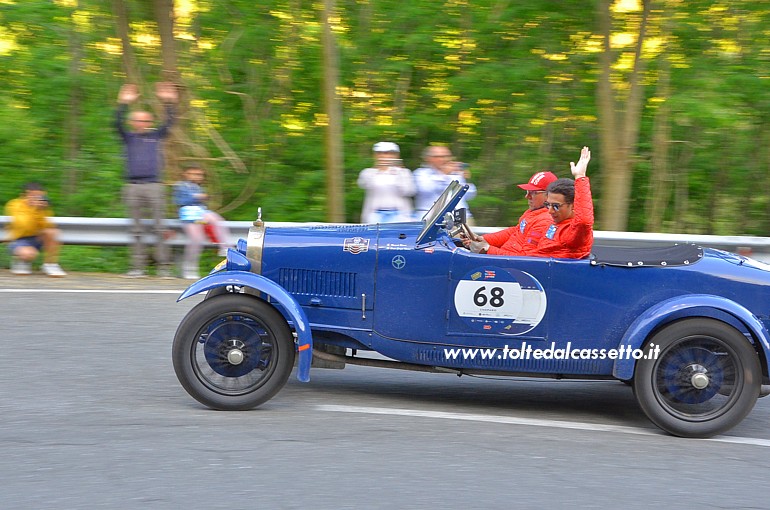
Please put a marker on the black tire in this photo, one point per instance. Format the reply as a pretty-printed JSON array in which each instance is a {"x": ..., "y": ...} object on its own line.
[
  {"x": 233, "y": 352},
  {"x": 722, "y": 393}
]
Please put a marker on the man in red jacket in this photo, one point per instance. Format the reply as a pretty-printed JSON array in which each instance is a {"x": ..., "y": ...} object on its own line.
[
  {"x": 521, "y": 239},
  {"x": 572, "y": 213}
]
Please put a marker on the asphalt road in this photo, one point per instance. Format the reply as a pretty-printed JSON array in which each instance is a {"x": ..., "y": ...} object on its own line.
[{"x": 92, "y": 416}]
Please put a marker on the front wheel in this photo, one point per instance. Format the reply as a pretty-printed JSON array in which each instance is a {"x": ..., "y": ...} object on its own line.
[
  {"x": 705, "y": 380},
  {"x": 233, "y": 352}
]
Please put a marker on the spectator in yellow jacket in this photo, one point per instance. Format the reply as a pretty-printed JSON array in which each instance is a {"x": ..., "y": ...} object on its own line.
[{"x": 31, "y": 231}]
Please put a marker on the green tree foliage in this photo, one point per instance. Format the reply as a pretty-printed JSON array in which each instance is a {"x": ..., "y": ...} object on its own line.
[{"x": 512, "y": 86}]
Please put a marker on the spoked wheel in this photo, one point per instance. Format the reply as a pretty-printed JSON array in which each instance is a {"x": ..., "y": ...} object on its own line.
[
  {"x": 705, "y": 380},
  {"x": 233, "y": 352}
]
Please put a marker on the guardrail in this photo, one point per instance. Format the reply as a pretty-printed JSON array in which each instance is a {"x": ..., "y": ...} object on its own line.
[{"x": 117, "y": 232}]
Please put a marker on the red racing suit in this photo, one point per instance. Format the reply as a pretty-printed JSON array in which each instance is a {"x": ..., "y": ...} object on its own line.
[
  {"x": 523, "y": 238},
  {"x": 573, "y": 237}
]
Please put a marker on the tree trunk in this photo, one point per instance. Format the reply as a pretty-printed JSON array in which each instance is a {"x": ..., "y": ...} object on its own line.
[
  {"x": 681, "y": 192},
  {"x": 608, "y": 139},
  {"x": 72, "y": 131},
  {"x": 129, "y": 59},
  {"x": 618, "y": 164},
  {"x": 661, "y": 181},
  {"x": 661, "y": 178},
  {"x": 164, "y": 17},
  {"x": 173, "y": 150},
  {"x": 764, "y": 164},
  {"x": 333, "y": 106}
]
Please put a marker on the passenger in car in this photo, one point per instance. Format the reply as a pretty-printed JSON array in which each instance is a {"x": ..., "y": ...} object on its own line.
[
  {"x": 522, "y": 238},
  {"x": 564, "y": 227},
  {"x": 572, "y": 213}
]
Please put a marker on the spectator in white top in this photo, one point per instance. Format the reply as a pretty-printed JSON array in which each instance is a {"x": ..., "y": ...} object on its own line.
[
  {"x": 389, "y": 187},
  {"x": 438, "y": 171}
]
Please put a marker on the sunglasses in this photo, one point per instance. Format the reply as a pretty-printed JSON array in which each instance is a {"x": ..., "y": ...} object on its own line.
[{"x": 553, "y": 205}]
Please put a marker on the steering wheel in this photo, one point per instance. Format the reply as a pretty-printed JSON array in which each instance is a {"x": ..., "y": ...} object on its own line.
[{"x": 457, "y": 227}]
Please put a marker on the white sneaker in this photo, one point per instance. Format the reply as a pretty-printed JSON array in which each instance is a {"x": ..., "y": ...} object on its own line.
[
  {"x": 53, "y": 270},
  {"x": 190, "y": 272},
  {"x": 165, "y": 273},
  {"x": 21, "y": 267}
]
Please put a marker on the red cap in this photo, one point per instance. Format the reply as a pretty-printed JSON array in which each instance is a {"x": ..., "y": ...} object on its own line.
[{"x": 539, "y": 181}]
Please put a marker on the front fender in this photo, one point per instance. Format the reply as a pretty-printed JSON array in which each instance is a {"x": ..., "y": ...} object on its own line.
[
  {"x": 641, "y": 328},
  {"x": 277, "y": 293}
]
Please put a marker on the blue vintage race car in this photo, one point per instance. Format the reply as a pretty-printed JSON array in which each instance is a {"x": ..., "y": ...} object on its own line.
[{"x": 686, "y": 327}]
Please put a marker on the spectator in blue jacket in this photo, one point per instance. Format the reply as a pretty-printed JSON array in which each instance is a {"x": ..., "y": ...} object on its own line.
[
  {"x": 198, "y": 221},
  {"x": 144, "y": 190},
  {"x": 438, "y": 170}
]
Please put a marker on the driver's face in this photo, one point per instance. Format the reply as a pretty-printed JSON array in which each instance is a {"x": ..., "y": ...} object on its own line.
[{"x": 535, "y": 199}]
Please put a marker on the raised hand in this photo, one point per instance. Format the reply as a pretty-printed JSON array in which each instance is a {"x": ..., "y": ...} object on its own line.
[
  {"x": 166, "y": 92},
  {"x": 128, "y": 93},
  {"x": 579, "y": 170}
]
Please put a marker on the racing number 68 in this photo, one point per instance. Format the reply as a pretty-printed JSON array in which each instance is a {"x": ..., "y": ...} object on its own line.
[{"x": 496, "y": 301}]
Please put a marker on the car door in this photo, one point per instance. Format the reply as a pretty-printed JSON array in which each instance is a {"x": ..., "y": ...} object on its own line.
[{"x": 410, "y": 292}]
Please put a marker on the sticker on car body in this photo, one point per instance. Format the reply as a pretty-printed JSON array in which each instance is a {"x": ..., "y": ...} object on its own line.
[
  {"x": 496, "y": 300},
  {"x": 356, "y": 245}
]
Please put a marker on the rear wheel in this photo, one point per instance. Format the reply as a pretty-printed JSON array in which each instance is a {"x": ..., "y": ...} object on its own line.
[
  {"x": 233, "y": 352},
  {"x": 705, "y": 380}
]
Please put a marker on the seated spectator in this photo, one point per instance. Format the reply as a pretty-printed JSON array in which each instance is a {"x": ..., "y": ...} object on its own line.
[
  {"x": 523, "y": 238},
  {"x": 197, "y": 220},
  {"x": 572, "y": 212},
  {"x": 31, "y": 231},
  {"x": 389, "y": 187}
]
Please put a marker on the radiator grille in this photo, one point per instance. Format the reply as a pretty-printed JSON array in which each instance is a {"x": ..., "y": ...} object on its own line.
[{"x": 318, "y": 283}]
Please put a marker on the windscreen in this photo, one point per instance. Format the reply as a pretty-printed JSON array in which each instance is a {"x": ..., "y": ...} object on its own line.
[{"x": 447, "y": 199}]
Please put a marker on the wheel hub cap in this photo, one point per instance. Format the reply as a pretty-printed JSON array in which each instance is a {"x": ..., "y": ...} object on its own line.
[
  {"x": 235, "y": 356},
  {"x": 700, "y": 381},
  {"x": 692, "y": 376},
  {"x": 234, "y": 346}
]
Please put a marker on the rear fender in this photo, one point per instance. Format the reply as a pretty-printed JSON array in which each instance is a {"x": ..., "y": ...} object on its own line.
[
  {"x": 276, "y": 293},
  {"x": 639, "y": 331}
]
